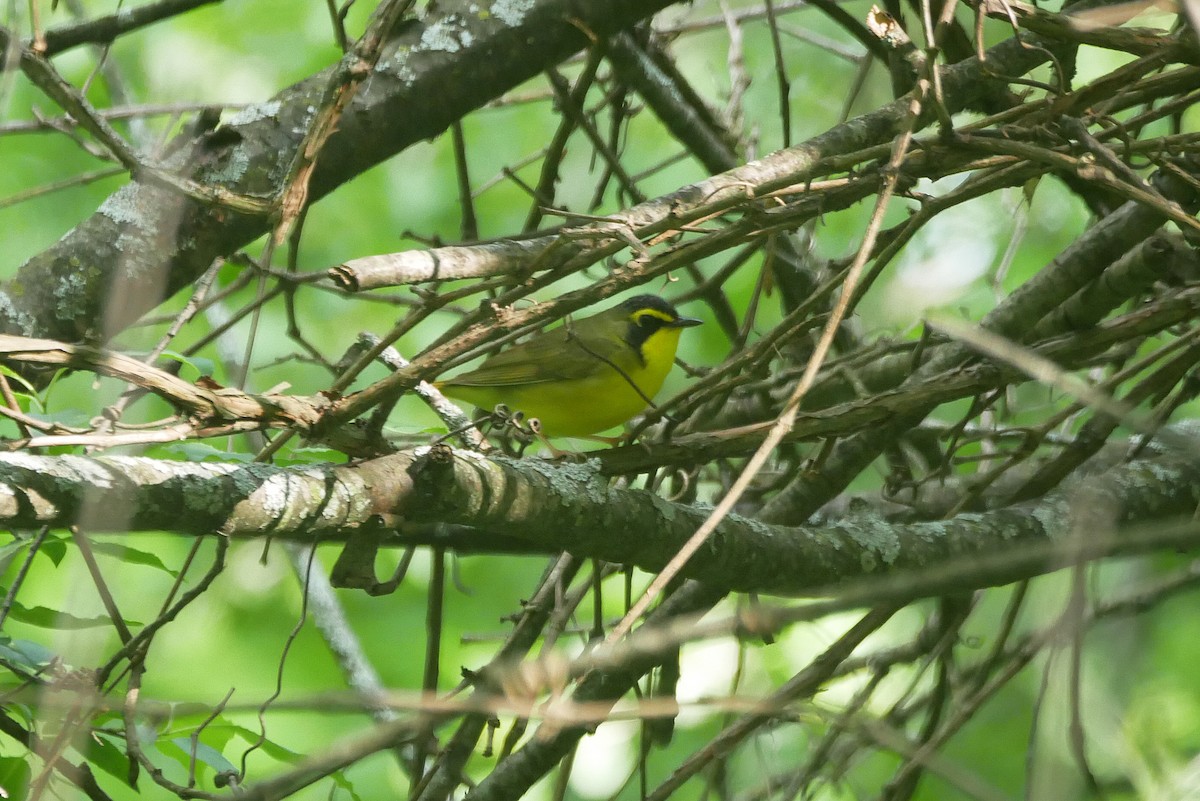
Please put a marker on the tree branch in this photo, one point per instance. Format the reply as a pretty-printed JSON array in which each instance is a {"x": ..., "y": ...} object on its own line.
[
  {"x": 418, "y": 89},
  {"x": 555, "y": 507}
]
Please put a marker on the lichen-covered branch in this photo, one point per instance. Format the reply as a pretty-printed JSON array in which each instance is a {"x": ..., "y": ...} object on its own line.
[
  {"x": 146, "y": 239},
  {"x": 552, "y": 506}
]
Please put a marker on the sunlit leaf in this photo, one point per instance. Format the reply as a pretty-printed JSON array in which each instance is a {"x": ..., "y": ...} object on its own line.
[
  {"x": 55, "y": 548},
  {"x": 312, "y": 455},
  {"x": 25, "y": 652},
  {"x": 71, "y": 418},
  {"x": 10, "y": 551},
  {"x": 14, "y": 778},
  {"x": 131, "y": 555},
  {"x": 30, "y": 391},
  {"x": 106, "y": 752},
  {"x": 47, "y": 618},
  {"x": 205, "y": 755},
  {"x": 270, "y": 748},
  {"x": 202, "y": 452}
]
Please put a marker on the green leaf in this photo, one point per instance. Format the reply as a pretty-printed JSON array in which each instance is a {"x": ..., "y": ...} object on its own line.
[
  {"x": 46, "y": 618},
  {"x": 54, "y": 547},
  {"x": 10, "y": 551},
  {"x": 180, "y": 749},
  {"x": 200, "y": 452},
  {"x": 30, "y": 391},
  {"x": 147, "y": 735},
  {"x": 50, "y": 385},
  {"x": 205, "y": 755},
  {"x": 107, "y": 752},
  {"x": 201, "y": 365},
  {"x": 27, "y": 400},
  {"x": 271, "y": 749},
  {"x": 147, "y": 740},
  {"x": 25, "y": 653},
  {"x": 14, "y": 778},
  {"x": 72, "y": 418},
  {"x": 275, "y": 751},
  {"x": 131, "y": 556},
  {"x": 1030, "y": 187},
  {"x": 310, "y": 455},
  {"x": 342, "y": 780},
  {"x": 219, "y": 731}
]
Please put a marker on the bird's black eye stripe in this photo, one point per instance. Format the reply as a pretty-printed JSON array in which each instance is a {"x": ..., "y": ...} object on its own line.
[
  {"x": 643, "y": 324},
  {"x": 650, "y": 320}
]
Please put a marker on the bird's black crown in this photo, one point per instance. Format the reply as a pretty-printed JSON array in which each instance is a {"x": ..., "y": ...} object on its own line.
[{"x": 649, "y": 302}]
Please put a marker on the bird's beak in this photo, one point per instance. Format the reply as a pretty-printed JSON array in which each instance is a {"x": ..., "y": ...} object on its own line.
[{"x": 684, "y": 322}]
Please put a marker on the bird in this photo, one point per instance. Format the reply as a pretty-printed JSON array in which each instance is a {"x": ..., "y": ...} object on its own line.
[{"x": 585, "y": 376}]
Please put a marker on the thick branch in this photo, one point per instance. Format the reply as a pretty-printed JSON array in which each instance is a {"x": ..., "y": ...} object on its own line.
[
  {"x": 556, "y": 507},
  {"x": 146, "y": 239},
  {"x": 415, "y": 93}
]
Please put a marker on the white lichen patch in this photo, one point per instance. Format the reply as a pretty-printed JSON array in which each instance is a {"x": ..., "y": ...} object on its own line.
[
  {"x": 396, "y": 65},
  {"x": 71, "y": 296},
  {"x": 155, "y": 471},
  {"x": 405, "y": 74},
  {"x": 1160, "y": 475},
  {"x": 275, "y": 495},
  {"x": 879, "y": 540},
  {"x": 124, "y": 207},
  {"x": 446, "y": 35},
  {"x": 232, "y": 170},
  {"x": 306, "y": 500},
  {"x": 582, "y": 472},
  {"x": 76, "y": 469},
  {"x": 568, "y": 478},
  {"x": 254, "y": 113},
  {"x": 511, "y": 12},
  {"x": 140, "y": 212},
  {"x": 8, "y": 311},
  {"x": 302, "y": 124},
  {"x": 1054, "y": 515}
]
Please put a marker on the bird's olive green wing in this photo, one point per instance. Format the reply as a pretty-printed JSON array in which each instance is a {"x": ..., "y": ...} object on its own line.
[{"x": 552, "y": 356}]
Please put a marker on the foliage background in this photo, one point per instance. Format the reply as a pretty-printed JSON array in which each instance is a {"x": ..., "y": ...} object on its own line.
[{"x": 1142, "y": 703}]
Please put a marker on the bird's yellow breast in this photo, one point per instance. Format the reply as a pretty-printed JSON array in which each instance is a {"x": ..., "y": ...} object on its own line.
[{"x": 603, "y": 399}]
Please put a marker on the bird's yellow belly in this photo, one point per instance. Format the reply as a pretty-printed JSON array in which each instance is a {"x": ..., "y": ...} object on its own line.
[{"x": 573, "y": 408}]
